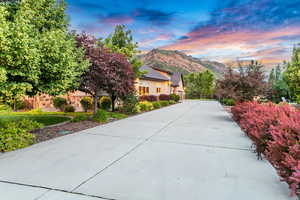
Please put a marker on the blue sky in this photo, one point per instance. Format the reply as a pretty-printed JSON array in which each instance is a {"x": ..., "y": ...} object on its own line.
[{"x": 221, "y": 30}]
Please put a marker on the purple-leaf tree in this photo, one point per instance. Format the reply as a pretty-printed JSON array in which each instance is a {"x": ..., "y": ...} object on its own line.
[{"x": 109, "y": 72}]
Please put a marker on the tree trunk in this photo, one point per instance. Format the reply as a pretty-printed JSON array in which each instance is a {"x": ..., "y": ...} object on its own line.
[
  {"x": 113, "y": 100},
  {"x": 96, "y": 98},
  {"x": 15, "y": 105}
]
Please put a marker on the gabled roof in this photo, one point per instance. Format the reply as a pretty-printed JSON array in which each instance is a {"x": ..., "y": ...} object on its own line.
[
  {"x": 176, "y": 78},
  {"x": 153, "y": 74}
]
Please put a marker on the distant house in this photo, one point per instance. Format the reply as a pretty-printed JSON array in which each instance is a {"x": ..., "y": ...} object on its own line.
[{"x": 157, "y": 81}]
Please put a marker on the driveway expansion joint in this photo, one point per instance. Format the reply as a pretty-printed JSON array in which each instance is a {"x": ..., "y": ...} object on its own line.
[
  {"x": 49, "y": 189},
  {"x": 133, "y": 149}
]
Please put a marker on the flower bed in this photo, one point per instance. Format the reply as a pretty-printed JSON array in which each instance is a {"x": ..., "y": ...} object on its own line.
[{"x": 275, "y": 131}]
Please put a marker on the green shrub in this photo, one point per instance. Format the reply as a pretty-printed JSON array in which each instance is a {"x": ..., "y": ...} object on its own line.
[
  {"x": 175, "y": 97},
  {"x": 59, "y": 103},
  {"x": 228, "y": 102},
  {"x": 15, "y": 135},
  {"x": 101, "y": 116},
  {"x": 86, "y": 103},
  {"x": 172, "y": 102},
  {"x": 117, "y": 115},
  {"x": 13, "y": 138},
  {"x": 164, "y": 103},
  {"x": 80, "y": 118},
  {"x": 137, "y": 109},
  {"x": 129, "y": 103},
  {"x": 156, "y": 105},
  {"x": 25, "y": 124},
  {"x": 69, "y": 108},
  {"x": 105, "y": 103},
  {"x": 5, "y": 108},
  {"x": 146, "y": 106}
]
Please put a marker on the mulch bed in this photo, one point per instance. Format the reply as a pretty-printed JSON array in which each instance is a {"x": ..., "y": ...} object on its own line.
[{"x": 51, "y": 132}]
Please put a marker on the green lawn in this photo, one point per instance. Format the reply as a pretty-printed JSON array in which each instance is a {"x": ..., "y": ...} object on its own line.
[{"x": 44, "y": 119}]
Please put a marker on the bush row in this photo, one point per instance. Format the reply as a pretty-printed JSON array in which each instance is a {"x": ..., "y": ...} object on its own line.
[
  {"x": 144, "y": 106},
  {"x": 161, "y": 97},
  {"x": 275, "y": 131}
]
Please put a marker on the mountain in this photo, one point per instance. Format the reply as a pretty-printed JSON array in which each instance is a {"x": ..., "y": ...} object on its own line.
[{"x": 177, "y": 61}]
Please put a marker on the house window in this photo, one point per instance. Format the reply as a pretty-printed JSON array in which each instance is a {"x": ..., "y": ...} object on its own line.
[
  {"x": 143, "y": 90},
  {"x": 158, "y": 90}
]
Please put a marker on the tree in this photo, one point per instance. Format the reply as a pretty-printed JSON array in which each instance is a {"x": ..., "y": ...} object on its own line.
[
  {"x": 292, "y": 75},
  {"x": 199, "y": 84},
  {"x": 121, "y": 41},
  {"x": 243, "y": 85},
  {"x": 36, "y": 51},
  {"x": 279, "y": 87},
  {"x": 109, "y": 72}
]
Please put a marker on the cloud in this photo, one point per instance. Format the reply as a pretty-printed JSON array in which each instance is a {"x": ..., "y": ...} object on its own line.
[
  {"x": 116, "y": 18},
  {"x": 151, "y": 42},
  {"x": 245, "y": 30},
  {"x": 155, "y": 17}
]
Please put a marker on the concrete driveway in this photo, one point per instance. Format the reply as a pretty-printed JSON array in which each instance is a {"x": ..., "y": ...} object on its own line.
[{"x": 188, "y": 151}]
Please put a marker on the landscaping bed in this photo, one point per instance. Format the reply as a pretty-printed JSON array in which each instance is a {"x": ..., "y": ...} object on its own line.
[{"x": 275, "y": 132}]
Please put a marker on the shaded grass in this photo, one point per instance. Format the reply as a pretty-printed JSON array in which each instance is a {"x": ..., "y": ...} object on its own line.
[{"x": 46, "y": 120}]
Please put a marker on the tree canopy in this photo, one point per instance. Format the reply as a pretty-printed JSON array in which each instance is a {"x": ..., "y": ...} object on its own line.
[
  {"x": 199, "y": 84},
  {"x": 121, "y": 41},
  {"x": 292, "y": 75},
  {"x": 109, "y": 72},
  {"x": 37, "y": 53},
  {"x": 244, "y": 84}
]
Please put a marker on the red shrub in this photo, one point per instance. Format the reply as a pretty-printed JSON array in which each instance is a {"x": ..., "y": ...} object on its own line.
[
  {"x": 275, "y": 131},
  {"x": 148, "y": 98},
  {"x": 164, "y": 97}
]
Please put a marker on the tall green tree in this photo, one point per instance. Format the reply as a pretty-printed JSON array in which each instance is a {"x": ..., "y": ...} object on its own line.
[
  {"x": 36, "y": 50},
  {"x": 121, "y": 41},
  {"x": 199, "y": 84},
  {"x": 292, "y": 75}
]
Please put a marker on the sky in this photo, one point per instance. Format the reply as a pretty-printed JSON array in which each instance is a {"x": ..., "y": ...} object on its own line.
[{"x": 219, "y": 30}]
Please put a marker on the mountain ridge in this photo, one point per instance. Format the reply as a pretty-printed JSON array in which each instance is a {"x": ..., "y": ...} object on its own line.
[{"x": 177, "y": 61}]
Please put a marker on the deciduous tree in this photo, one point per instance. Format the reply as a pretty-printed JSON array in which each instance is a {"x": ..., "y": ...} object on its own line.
[
  {"x": 36, "y": 50},
  {"x": 109, "y": 72}
]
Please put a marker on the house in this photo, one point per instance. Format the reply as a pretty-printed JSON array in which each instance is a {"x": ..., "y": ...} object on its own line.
[
  {"x": 157, "y": 81},
  {"x": 154, "y": 82}
]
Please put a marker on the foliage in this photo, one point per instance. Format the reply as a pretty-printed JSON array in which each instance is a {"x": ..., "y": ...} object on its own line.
[
  {"x": 37, "y": 54},
  {"x": 130, "y": 102},
  {"x": 145, "y": 106},
  {"x": 69, "y": 108},
  {"x": 121, "y": 41},
  {"x": 5, "y": 108},
  {"x": 172, "y": 102},
  {"x": 275, "y": 131},
  {"x": 109, "y": 72},
  {"x": 80, "y": 118},
  {"x": 199, "y": 84},
  {"x": 156, "y": 105},
  {"x": 117, "y": 115},
  {"x": 175, "y": 97},
  {"x": 60, "y": 103},
  {"x": 137, "y": 109},
  {"x": 15, "y": 135},
  {"x": 227, "y": 102},
  {"x": 150, "y": 98},
  {"x": 86, "y": 103},
  {"x": 100, "y": 116},
  {"x": 105, "y": 103},
  {"x": 45, "y": 119},
  {"x": 164, "y": 97},
  {"x": 278, "y": 85},
  {"x": 164, "y": 103},
  {"x": 243, "y": 85},
  {"x": 292, "y": 74}
]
